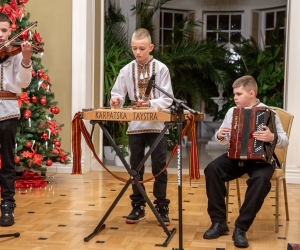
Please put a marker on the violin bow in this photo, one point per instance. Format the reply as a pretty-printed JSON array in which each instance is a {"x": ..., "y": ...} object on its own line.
[{"x": 5, "y": 44}]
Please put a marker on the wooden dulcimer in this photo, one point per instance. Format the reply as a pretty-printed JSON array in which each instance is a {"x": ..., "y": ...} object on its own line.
[{"x": 135, "y": 114}]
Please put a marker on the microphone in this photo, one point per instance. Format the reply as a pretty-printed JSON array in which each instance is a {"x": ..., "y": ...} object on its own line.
[{"x": 146, "y": 96}]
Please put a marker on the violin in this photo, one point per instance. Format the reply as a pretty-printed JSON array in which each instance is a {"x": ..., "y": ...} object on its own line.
[{"x": 12, "y": 48}]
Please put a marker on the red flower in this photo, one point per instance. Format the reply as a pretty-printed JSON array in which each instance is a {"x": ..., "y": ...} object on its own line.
[
  {"x": 6, "y": 10},
  {"x": 13, "y": 5},
  {"x": 36, "y": 36},
  {"x": 60, "y": 153},
  {"x": 23, "y": 98},
  {"x": 51, "y": 125},
  {"x": 35, "y": 158}
]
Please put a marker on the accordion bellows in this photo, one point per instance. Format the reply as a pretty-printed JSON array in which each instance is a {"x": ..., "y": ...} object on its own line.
[{"x": 245, "y": 122}]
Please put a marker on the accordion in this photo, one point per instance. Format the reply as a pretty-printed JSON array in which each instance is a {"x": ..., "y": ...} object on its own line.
[{"x": 245, "y": 122}]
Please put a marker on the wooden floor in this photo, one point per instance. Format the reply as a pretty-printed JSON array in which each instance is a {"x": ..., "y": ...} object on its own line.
[{"x": 70, "y": 207}]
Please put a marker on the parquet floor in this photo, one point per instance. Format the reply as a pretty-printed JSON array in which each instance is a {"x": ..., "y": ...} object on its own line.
[{"x": 69, "y": 208}]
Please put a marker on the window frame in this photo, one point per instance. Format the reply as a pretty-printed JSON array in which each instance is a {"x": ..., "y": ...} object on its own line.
[
  {"x": 217, "y": 13},
  {"x": 161, "y": 29},
  {"x": 264, "y": 30}
]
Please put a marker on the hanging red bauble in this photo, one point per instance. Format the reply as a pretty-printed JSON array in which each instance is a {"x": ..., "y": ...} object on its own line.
[
  {"x": 33, "y": 73},
  {"x": 20, "y": 1},
  {"x": 52, "y": 110},
  {"x": 57, "y": 144},
  {"x": 56, "y": 110},
  {"x": 54, "y": 141},
  {"x": 48, "y": 163},
  {"x": 40, "y": 74},
  {"x": 17, "y": 159},
  {"x": 24, "y": 35},
  {"x": 46, "y": 77},
  {"x": 27, "y": 113},
  {"x": 44, "y": 136},
  {"x": 43, "y": 101},
  {"x": 28, "y": 145},
  {"x": 13, "y": 27},
  {"x": 33, "y": 99}
]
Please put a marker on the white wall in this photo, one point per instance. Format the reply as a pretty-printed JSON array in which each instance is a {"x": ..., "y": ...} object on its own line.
[
  {"x": 247, "y": 6},
  {"x": 292, "y": 101}
]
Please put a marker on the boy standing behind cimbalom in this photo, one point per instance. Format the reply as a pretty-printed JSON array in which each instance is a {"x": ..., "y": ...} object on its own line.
[{"x": 133, "y": 79}]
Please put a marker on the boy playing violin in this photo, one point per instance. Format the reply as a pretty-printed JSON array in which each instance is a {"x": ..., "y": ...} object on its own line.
[{"x": 15, "y": 74}]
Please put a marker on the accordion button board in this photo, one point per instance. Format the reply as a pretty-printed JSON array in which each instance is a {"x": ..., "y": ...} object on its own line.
[{"x": 243, "y": 145}]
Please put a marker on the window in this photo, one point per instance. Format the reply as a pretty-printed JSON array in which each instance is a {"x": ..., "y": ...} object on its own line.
[
  {"x": 264, "y": 22},
  {"x": 168, "y": 20},
  {"x": 230, "y": 24},
  {"x": 271, "y": 20}
]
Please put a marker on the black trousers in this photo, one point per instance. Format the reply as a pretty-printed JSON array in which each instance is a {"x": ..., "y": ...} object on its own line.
[
  {"x": 158, "y": 157},
  {"x": 221, "y": 170},
  {"x": 8, "y": 130}
]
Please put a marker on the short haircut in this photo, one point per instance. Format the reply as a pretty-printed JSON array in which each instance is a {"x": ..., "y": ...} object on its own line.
[
  {"x": 247, "y": 82},
  {"x": 4, "y": 17},
  {"x": 141, "y": 33}
]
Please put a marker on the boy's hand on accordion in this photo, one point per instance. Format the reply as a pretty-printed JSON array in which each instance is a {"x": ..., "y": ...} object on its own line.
[
  {"x": 265, "y": 136},
  {"x": 223, "y": 132}
]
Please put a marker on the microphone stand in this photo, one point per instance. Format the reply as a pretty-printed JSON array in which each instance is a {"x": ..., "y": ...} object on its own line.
[{"x": 178, "y": 110}]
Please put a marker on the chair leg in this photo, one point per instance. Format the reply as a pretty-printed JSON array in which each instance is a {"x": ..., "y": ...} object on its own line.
[
  {"x": 238, "y": 192},
  {"x": 286, "y": 200},
  {"x": 227, "y": 200},
  {"x": 277, "y": 205}
]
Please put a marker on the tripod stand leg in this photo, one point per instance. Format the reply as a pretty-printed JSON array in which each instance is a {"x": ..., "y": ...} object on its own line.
[
  {"x": 101, "y": 224},
  {"x": 10, "y": 235},
  {"x": 170, "y": 234}
]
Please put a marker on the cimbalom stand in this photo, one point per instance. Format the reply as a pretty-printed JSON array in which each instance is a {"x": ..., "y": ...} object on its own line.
[
  {"x": 101, "y": 116},
  {"x": 134, "y": 176}
]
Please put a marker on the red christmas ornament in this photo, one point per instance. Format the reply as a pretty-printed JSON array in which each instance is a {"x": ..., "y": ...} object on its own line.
[
  {"x": 43, "y": 101},
  {"x": 33, "y": 73},
  {"x": 48, "y": 163},
  {"x": 54, "y": 141},
  {"x": 56, "y": 110},
  {"x": 27, "y": 113},
  {"x": 44, "y": 136},
  {"x": 57, "y": 144},
  {"x": 20, "y": 2},
  {"x": 13, "y": 27},
  {"x": 24, "y": 35},
  {"x": 33, "y": 99},
  {"x": 28, "y": 145},
  {"x": 40, "y": 74},
  {"x": 17, "y": 159}
]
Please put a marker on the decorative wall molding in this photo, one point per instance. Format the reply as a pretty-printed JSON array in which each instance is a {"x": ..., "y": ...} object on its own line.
[{"x": 83, "y": 33}]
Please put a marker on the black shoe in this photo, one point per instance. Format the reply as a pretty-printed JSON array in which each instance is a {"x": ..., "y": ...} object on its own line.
[
  {"x": 239, "y": 238},
  {"x": 216, "y": 230},
  {"x": 137, "y": 214},
  {"x": 7, "y": 213},
  {"x": 163, "y": 211}
]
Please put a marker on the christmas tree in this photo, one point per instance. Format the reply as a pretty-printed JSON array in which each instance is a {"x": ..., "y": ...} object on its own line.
[{"x": 37, "y": 140}]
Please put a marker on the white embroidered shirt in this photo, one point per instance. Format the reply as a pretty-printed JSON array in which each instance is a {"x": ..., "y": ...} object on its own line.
[
  {"x": 13, "y": 77},
  {"x": 133, "y": 79}
]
